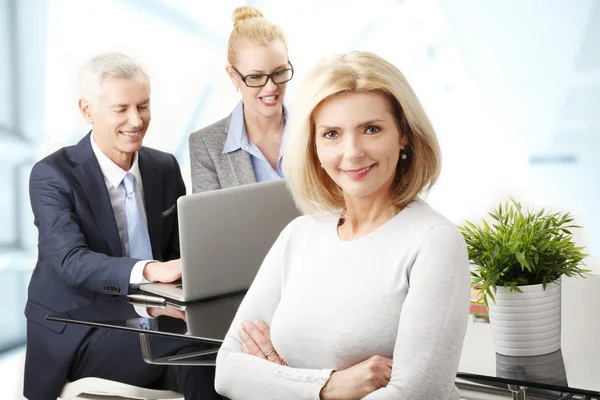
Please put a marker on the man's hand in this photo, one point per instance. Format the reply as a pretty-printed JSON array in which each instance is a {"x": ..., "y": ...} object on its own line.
[
  {"x": 256, "y": 337},
  {"x": 165, "y": 272},
  {"x": 359, "y": 380},
  {"x": 168, "y": 311}
]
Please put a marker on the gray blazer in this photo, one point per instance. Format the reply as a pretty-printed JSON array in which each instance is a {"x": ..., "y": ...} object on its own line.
[{"x": 210, "y": 168}]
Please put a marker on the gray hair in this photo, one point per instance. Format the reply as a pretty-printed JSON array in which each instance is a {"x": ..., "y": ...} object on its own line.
[{"x": 93, "y": 72}]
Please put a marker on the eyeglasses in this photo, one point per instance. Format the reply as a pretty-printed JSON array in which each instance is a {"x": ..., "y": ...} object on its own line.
[{"x": 260, "y": 80}]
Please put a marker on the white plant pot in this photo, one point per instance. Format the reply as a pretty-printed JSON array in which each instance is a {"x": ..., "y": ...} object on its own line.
[
  {"x": 548, "y": 368},
  {"x": 528, "y": 323}
]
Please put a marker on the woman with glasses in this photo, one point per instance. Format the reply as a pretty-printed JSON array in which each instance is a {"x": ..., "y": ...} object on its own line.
[{"x": 246, "y": 146}]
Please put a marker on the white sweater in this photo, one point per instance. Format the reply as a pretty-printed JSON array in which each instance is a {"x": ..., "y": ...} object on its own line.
[{"x": 401, "y": 291}]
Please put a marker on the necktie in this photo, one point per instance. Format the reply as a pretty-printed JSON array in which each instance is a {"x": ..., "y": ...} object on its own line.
[{"x": 137, "y": 232}]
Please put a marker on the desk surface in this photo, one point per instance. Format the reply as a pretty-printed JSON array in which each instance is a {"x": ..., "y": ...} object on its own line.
[
  {"x": 206, "y": 322},
  {"x": 575, "y": 368}
]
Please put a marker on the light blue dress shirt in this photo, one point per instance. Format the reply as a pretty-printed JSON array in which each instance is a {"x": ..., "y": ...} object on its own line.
[{"x": 237, "y": 138}]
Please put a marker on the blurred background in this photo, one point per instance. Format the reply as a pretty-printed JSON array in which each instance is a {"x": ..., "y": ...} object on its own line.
[{"x": 512, "y": 88}]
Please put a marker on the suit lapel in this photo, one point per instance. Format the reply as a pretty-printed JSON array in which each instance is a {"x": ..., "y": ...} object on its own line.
[
  {"x": 241, "y": 167},
  {"x": 90, "y": 178},
  {"x": 153, "y": 191},
  {"x": 239, "y": 160}
]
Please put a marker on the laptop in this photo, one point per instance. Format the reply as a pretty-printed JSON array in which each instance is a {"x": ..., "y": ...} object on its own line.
[{"x": 224, "y": 236}]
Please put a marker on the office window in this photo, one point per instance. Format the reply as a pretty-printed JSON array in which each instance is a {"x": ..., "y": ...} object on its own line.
[{"x": 511, "y": 87}]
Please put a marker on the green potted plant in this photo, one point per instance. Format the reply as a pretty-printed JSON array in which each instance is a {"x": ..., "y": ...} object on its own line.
[{"x": 518, "y": 260}]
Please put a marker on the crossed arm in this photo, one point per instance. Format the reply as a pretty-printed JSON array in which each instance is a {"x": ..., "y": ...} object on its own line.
[{"x": 426, "y": 354}]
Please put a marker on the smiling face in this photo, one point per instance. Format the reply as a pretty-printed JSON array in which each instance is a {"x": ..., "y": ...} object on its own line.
[
  {"x": 120, "y": 117},
  {"x": 358, "y": 143},
  {"x": 266, "y": 101}
]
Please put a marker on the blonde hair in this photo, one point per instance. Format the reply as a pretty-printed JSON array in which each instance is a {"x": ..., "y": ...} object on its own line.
[
  {"x": 363, "y": 72},
  {"x": 249, "y": 25}
]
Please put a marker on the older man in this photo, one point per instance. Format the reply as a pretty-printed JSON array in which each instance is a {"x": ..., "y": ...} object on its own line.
[{"x": 106, "y": 214}]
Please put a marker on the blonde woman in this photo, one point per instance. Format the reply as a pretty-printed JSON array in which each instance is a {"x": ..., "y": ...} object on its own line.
[
  {"x": 245, "y": 147},
  {"x": 367, "y": 294}
]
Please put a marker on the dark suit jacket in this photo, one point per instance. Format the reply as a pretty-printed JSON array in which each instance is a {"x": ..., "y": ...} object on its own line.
[{"x": 80, "y": 259}]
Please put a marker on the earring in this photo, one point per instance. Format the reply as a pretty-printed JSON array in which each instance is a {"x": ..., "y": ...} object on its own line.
[
  {"x": 403, "y": 155},
  {"x": 237, "y": 89}
]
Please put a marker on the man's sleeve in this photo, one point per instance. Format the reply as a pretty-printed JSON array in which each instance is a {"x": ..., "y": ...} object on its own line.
[
  {"x": 61, "y": 242},
  {"x": 174, "y": 251}
]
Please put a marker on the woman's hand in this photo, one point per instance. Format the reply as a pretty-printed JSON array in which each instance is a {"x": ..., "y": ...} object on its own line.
[
  {"x": 359, "y": 380},
  {"x": 256, "y": 337}
]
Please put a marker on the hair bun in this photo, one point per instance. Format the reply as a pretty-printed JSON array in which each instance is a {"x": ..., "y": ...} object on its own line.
[{"x": 245, "y": 12}]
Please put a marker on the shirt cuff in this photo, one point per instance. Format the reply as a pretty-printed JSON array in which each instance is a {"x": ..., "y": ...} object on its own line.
[
  {"x": 320, "y": 377},
  {"x": 137, "y": 273},
  {"x": 142, "y": 311}
]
